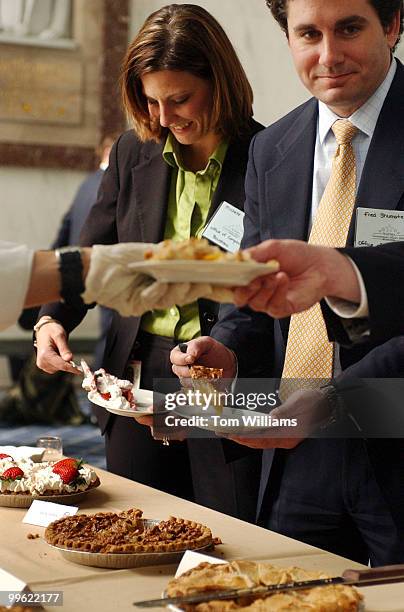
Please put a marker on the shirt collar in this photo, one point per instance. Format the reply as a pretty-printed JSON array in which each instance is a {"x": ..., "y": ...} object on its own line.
[
  {"x": 365, "y": 118},
  {"x": 171, "y": 156}
]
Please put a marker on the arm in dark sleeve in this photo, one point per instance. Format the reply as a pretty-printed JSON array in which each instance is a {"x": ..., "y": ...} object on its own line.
[
  {"x": 382, "y": 270},
  {"x": 371, "y": 391},
  {"x": 248, "y": 333}
]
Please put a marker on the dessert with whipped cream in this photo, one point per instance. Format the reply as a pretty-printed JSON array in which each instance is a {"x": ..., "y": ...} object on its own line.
[
  {"x": 25, "y": 477},
  {"x": 107, "y": 390}
]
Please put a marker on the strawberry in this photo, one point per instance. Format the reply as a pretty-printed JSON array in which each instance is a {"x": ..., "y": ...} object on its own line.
[
  {"x": 4, "y": 456},
  {"x": 106, "y": 396},
  {"x": 68, "y": 461},
  {"x": 128, "y": 395},
  {"x": 67, "y": 473},
  {"x": 68, "y": 469},
  {"x": 13, "y": 473}
]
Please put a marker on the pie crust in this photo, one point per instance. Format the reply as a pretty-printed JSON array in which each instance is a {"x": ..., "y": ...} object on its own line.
[
  {"x": 108, "y": 532},
  {"x": 195, "y": 249},
  {"x": 198, "y": 371},
  {"x": 240, "y": 574}
]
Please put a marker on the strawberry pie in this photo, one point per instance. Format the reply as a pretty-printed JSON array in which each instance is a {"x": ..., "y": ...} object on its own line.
[{"x": 25, "y": 477}]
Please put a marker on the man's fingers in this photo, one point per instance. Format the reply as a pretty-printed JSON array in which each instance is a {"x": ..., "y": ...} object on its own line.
[
  {"x": 278, "y": 305},
  {"x": 243, "y": 295},
  {"x": 265, "y": 251},
  {"x": 194, "y": 349},
  {"x": 181, "y": 371}
]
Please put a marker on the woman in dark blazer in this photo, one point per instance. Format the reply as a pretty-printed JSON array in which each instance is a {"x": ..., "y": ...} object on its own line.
[{"x": 190, "y": 103}]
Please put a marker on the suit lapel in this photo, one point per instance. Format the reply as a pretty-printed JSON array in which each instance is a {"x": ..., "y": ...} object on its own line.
[
  {"x": 151, "y": 184},
  {"x": 382, "y": 181},
  {"x": 231, "y": 183},
  {"x": 289, "y": 182}
]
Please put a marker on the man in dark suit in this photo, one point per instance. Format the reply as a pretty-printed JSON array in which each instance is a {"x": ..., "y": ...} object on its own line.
[{"x": 330, "y": 493}]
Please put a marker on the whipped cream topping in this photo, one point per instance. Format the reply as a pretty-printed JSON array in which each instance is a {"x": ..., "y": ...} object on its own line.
[
  {"x": 38, "y": 478},
  {"x": 100, "y": 383}
]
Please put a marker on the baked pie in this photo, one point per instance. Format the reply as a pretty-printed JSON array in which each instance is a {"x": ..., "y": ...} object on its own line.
[
  {"x": 198, "y": 371},
  {"x": 193, "y": 248},
  {"x": 245, "y": 574},
  {"x": 126, "y": 532},
  {"x": 25, "y": 477}
]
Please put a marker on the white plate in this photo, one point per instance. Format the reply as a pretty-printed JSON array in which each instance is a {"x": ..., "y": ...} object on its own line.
[
  {"x": 23, "y": 452},
  {"x": 143, "y": 399},
  {"x": 223, "y": 273}
]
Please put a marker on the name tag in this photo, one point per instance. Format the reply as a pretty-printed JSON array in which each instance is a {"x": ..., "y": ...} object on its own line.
[
  {"x": 226, "y": 227},
  {"x": 42, "y": 513},
  {"x": 375, "y": 226}
]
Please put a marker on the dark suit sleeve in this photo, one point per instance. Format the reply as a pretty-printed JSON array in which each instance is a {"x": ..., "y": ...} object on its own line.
[
  {"x": 248, "y": 333},
  {"x": 382, "y": 270}
]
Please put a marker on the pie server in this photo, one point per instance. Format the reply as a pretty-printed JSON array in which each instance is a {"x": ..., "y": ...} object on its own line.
[{"x": 368, "y": 577}]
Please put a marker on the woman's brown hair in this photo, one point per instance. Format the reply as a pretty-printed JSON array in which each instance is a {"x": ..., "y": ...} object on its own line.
[{"x": 185, "y": 37}]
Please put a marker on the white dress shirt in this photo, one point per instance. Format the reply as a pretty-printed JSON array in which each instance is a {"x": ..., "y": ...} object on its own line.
[
  {"x": 365, "y": 119},
  {"x": 15, "y": 273}
]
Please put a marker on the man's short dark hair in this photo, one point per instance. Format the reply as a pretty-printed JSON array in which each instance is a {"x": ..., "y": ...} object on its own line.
[{"x": 386, "y": 9}]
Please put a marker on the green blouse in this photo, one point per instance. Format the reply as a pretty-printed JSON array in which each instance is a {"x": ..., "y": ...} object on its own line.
[{"x": 189, "y": 203}]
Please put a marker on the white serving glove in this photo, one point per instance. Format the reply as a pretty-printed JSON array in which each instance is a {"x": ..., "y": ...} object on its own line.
[{"x": 111, "y": 282}]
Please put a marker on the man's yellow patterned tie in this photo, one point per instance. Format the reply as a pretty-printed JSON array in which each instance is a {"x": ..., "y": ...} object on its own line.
[{"x": 309, "y": 354}]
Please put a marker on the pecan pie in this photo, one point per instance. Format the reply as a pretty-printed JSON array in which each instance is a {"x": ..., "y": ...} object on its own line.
[
  {"x": 240, "y": 574},
  {"x": 126, "y": 532}
]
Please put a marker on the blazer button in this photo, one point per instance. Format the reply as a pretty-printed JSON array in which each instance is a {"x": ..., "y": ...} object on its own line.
[{"x": 209, "y": 317}]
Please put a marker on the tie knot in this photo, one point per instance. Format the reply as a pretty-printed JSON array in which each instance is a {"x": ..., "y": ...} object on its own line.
[{"x": 344, "y": 131}]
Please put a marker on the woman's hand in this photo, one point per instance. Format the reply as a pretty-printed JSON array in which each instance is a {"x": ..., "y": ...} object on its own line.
[{"x": 53, "y": 352}]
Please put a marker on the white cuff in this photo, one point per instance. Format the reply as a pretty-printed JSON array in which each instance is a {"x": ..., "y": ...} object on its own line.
[{"x": 351, "y": 310}]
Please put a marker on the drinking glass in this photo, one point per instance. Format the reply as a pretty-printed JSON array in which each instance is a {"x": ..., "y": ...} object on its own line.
[{"x": 53, "y": 447}]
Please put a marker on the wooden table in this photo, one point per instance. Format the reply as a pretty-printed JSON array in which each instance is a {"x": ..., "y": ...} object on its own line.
[{"x": 87, "y": 589}]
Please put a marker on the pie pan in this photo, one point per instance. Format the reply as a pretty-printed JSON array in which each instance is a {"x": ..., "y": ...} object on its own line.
[
  {"x": 124, "y": 560},
  {"x": 23, "y": 500}
]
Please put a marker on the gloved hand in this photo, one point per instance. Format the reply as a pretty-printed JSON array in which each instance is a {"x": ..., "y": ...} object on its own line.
[{"x": 111, "y": 282}]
